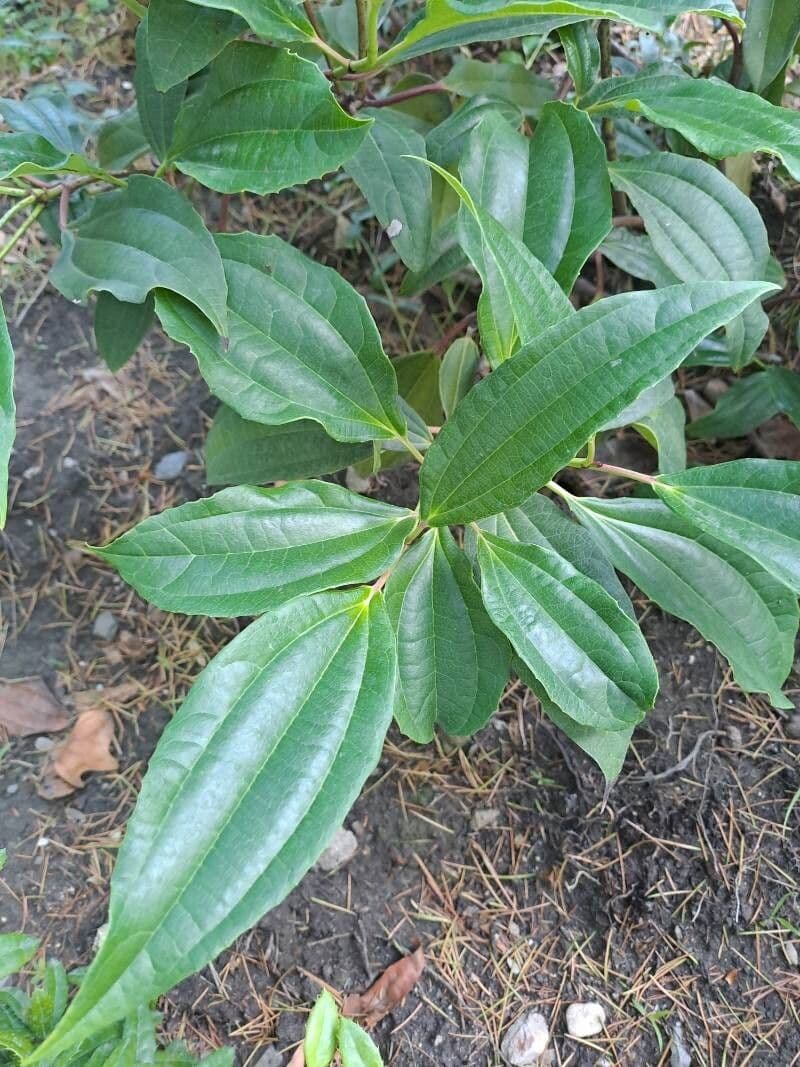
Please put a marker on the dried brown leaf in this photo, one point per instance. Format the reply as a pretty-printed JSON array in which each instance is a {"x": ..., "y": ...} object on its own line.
[
  {"x": 86, "y": 748},
  {"x": 387, "y": 992},
  {"x": 30, "y": 708}
]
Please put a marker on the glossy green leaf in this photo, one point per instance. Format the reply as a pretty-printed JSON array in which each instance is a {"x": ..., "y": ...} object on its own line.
[
  {"x": 447, "y": 141},
  {"x": 247, "y": 550},
  {"x": 275, "y": 20},
  {"x": 457, "y": 373},
  {"x": 15, "y": 951},
  {"x": 302, "y": 343},
  {"x": 607, "y": 748},
  {"x": 140, "y": 238},
  {"x": 751, "y": 504},
  {"x": 7, "y": 412},
  {"x": 664, "y": 427},
  {"x": 158, "y": 111},
  {"x": 634, "y": 254},
  {"x": 452, "y": 661},
  {"x": 319, "y": 1042},
  {"x": 356, "y": 1047},
  {"x": 121, "y": 140},
  {"x": 711, "y": 114},
  {"x": 582, "y": 53},
  {"x": 769, "y": 39},
  {"x": 418, "y": 384},
  {"x": 702, "y": 228},
  {"x": 397, "y": 189},
  {"x": 261, "y": 763},
  {"x": 183, "y": 38},
  {"x": 28, "y": 153},
  {"x": 568, "y": 209},
  {"x": 538, "y": 521},
  {"x": 48, "y": 1000},
  {"x": 265, "y": 119},
  {"x": 494, "y": 170},
  {"x": 530, "y": 417},
  {"x": 749, "y": 402},
  {"x": 588, "y": 654},
  {"x": 504, "y": 81},
  {"x": 120, "y": 327},
  {"x": 51, "y": 115},
  {"x": 240, "y": 452},
  {"x": 729, "y": 598},
  {"x": 520, "y": 297},
  {"x": 649, "y": 14}
]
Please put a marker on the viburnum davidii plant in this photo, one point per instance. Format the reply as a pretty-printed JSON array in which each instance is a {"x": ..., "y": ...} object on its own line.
[{"x": 366, "y": 612}]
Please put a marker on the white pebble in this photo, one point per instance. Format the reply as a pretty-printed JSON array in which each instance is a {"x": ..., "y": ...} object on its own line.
[
  {"x": 525, "y": 1040},
  {"x": 585, "y": 1020}
]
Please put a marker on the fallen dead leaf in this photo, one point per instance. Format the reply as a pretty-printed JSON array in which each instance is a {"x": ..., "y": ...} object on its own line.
[
  {"x": 778, "y": 439},
  {"x": 387, "y": 992},
  {"x": 298, "y": 1059},
  {"x": 86, "y": 748},
  {"x": 86, "y": 699},
  {"x": 29, "y": 707}
]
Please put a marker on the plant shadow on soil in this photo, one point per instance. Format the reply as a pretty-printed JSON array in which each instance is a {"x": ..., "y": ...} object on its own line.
[{"x": 676, "y": 902}]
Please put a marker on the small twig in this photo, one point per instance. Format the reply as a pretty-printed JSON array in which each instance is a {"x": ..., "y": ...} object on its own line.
[
  {"x": 453, "y": 333},
  {"x": 404, "y": 94},
  {"x": 737, "y": 60},
  {"x": 607, "y": 130},
  {"x": 681, "y": 765},
  {"x": 632, "y": 222},
  {"x": 311, "y": 15},
  {"x": 63, "y": 207}
]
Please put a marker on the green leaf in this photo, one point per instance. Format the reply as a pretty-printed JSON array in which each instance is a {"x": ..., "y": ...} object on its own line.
[
  {"x": 452, "y": 661},
  {"x": 261, "y": 763},
  {"x": 664, "y": 428},
  {"x": 504, "y": 81},
  {"x": 750, "y": 504},
  {"x": 7, "y": 413},
  {"x": 397, "y": 189},
  {"x": 494, "y": 170},
  {"x": 48, "y": 1000},
  {"x": 302, "y": 343},
  {"x": 714, "y": 116},
  {"x": 702, "y": 228},
  {"x": 157, "y": 111},
  {"x": 457, "y": 373},
  {"x": 15, "y": 951},
  {"x": 634, "y": 254},
  {"x": 239, "y": 452},
  {"x": 749, "y": 402},
  {"x": 137, "y": 1044},
  {"x": 649, "y": 14},
  {"x": 319, "y": 1043},
  {"x": 28, "y": 153},
  {"x": 356, "y": 1047},
  {"x": 137, "y": 239},
  {"x": 120, "y": 327},
  {"x": 769, "y": 39},
  {"x": 276, "y": 20},
  {"x": 569, "y": 197},
  {"x": 729, "y": 598},
  {"x": 121, "y": 140},
  {"x": 582, "y": 53},
  {"x": 530, "y": 417},
  {"x": 51, "y": 115},
  {"x": 588, "y": 654},
  {"x": 182, "y": 38},
  {"x": 247, "y": 550},
  {"x": 520, "y": 297},
  {"x": 264, "y": 119},
  {"x": 607, "y": 748},
  {"x": 418, "y": 384},
  {"x": 447, "y": 141},
  {"x": 538, "y": 521}
]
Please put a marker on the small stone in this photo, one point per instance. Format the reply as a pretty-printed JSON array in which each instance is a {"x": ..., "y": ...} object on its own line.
[
  {"x": 355, "y": 482},
  {"x": 790, "y": 952},
  {"x": 525, "y": 1040},
  {"x": 12, "y": 789},
  {"x": 679, "y": 1055},
  {"x": 170, "y": 466},
  {"x": 696, "y": 406},
  {"x": 105, "y": 626},
  {"x": 341, "y": 849},
  {"x": 793, "y": 725},
  {"x": 586, "y": 1019},
  {"x": 714, "y": 388},
  {"x": 271, "y": 1058},
  {"x": 485, "y": 818},
  {"x": 43, "y": 744}
]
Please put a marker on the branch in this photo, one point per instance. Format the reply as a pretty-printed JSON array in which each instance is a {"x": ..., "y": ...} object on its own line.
[
  {"x": 737, "y": 61},
  {"x": 404, "y": 94},
  {"x": 607, "y": 130}
]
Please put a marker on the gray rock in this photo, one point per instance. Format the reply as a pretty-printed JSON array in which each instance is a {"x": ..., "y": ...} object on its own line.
[
  {"x": 526, "y": 1040},
  {"x": 271, "y": 1058},
  {"x": 341, "y": 848},
  {"x": 679, "y": 1055},
  {"x": 585, "y": 1019},
  {"x": 170, "y": 466},
  {"x": 105, "y": 626},
  {"x": 485, "y": 818}
]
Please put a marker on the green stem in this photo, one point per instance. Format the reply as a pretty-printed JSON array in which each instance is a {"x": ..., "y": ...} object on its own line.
[
  {"x": 362, "y": 17},
  {"x": 19, "y": 206},
  {"x": 415, "y": 452},
  {"x": 618, "y": 472},
  {"x": 559, "y": 490},
  {"x": 138, "y": 9},
  {"x": 21, "y": 231},
  {"x": 373, "y": 15},
  {"x": 11, "y": 190},
  {"x": 329, "y": 52}
]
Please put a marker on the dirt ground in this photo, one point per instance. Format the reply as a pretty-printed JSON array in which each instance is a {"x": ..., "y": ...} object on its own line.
[{"x": 674, "y": 900}]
